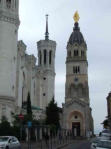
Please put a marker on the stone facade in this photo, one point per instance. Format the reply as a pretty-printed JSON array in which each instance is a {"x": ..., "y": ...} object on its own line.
[
  {"x": 76, "y": 110},
  {"x": 109, "y": 109},
  {"x": 20, "y": 74},
  {"x": 46, "y": 71},
  {"x": 9, "y": 23}
]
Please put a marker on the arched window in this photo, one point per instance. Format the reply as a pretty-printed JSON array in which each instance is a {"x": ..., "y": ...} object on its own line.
[
  {"x": 76, "y": 69},
  {"x": 76, "y": 53},
  {"x": 69, "y": 53},
  {"x": 45, "y": 56},
  {"x": 82, "y": 54},
  {"x": 50, "y": 57},
  {"x": 8, "y": 2}
]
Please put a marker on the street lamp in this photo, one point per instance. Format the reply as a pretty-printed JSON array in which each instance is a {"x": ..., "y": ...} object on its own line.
[{"x": 21, "y": 118}]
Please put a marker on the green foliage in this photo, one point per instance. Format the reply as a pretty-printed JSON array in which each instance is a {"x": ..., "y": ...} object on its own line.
[
  {"x": 52, "y": 114},
  {"x": 105, "y": 123},
  {"x": 29, "y": 109},
  {"x": 5, "y": 128},
  {"x": 17, "y": 121},
  {"x": 4, "y": 119}
]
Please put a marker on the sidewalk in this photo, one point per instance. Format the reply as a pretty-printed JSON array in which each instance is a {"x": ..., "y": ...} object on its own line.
[{"x": 52, "y": 144}]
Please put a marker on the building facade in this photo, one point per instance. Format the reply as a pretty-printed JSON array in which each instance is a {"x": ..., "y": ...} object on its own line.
[
  {"x": 109, "y": 109},
  {"x": 20, "y": 74},
  {"x": 76, "y": 110}
]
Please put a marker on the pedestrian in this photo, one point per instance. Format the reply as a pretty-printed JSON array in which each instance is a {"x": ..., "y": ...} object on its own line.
[
  {"x": 46, "y": 138},
  {"x": 60, "y": 137}
]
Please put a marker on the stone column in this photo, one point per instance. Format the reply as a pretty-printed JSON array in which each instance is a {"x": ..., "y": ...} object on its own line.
[
  {"x": 4, "y": 3},
  {"x": 12, "y": 4},
  {"x": 49, "y": 132},
  {"x": 36, "y": 133},
  {"x": 39, "y": 58},
  {"x": 42, "y": 58},
  {"x": 26, "y": 129},
  {"x": 40, "y": 134}
]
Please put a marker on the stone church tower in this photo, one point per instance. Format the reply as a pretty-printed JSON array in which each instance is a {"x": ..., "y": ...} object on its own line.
[
  {"x": 19, "y": 73},
  {"x": 76, "y": 110},
  {"x": 46, "y": 69},
  {"x": 9, "y": 23}
]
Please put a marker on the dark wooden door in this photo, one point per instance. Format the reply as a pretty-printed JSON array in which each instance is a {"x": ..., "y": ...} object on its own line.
[{"x": 76, "y": 128}]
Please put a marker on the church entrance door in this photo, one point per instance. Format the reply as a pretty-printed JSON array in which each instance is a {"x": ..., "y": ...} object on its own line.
[{"x": 76, "y": 129}]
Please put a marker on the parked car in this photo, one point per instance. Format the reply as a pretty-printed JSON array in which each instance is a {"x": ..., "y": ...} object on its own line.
[
  {"x": 102, "y": 144},
  {"x": 9, "y": 142},
  {"x": 106, "y": 134},
  {"x": 94, "y": 142}
]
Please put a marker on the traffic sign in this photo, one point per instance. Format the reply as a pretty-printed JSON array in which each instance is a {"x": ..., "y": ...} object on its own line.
[
  {"x": 29, "y": 123},
  {"x": 21, "y": 116}
]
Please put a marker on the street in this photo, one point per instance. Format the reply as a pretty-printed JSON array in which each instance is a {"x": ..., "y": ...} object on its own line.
[
  {"x": 84, "y": 144},
  {"x": 75, "y": 144}
]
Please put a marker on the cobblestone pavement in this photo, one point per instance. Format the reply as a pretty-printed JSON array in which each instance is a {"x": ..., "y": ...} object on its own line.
[{"x": 84, "y": 144}]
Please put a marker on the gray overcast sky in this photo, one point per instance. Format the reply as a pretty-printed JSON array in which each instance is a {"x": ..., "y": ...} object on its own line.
[{"x": 95, "y": 24}]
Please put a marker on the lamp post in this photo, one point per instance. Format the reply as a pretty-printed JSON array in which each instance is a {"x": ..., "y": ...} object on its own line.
[
  {"x": 21, "y": 117},
  {"x": 29, "y": 124}
]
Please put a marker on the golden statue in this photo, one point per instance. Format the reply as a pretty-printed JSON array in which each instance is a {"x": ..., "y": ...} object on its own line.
[{"x": 76, "y": 16}]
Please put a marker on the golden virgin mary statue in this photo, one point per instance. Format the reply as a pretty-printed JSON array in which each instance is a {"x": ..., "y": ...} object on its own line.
[{"x": 76, "y": 16}]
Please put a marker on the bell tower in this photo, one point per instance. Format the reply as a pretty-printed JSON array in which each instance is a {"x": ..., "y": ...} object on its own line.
[
  {"x": 76, "y": 65},
  {"x": 9, "y": 23},
  {"x": 77, "y": 113},
  {"x": 46, "y": 69}
]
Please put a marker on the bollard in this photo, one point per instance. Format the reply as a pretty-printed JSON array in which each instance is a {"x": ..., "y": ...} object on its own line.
[{"x": 41, "y": 137}]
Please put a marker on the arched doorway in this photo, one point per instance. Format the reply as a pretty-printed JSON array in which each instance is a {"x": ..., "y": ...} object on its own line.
[{"x": 76, "y": 123}]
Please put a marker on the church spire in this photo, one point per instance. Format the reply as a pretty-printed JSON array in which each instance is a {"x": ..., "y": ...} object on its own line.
[{"x": 46, "y": 33}]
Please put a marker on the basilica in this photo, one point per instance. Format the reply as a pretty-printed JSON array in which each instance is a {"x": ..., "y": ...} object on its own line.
[{"x": 21, "y": 75}]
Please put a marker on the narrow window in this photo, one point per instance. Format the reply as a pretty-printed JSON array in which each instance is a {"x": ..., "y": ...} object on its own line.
[
  {"x": 8, "y": 3},
  {"x": 44, "y": 94},
  {"x": 23, "y": 77},
  {"x": 40, "y": 57},
  {"x": 69, "y": 53},
  {"x": 22, "y": 95},
  {"x": 50, "y": 57},
  {"x": 82, "y": 53},
  {"x": 23, "y": 89},
  {"x": 45, "y": 56},
  {"x": 34, "y": 88},
  {"x": 76, "y": 53},
  {"x": 76, "y": 69}
]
